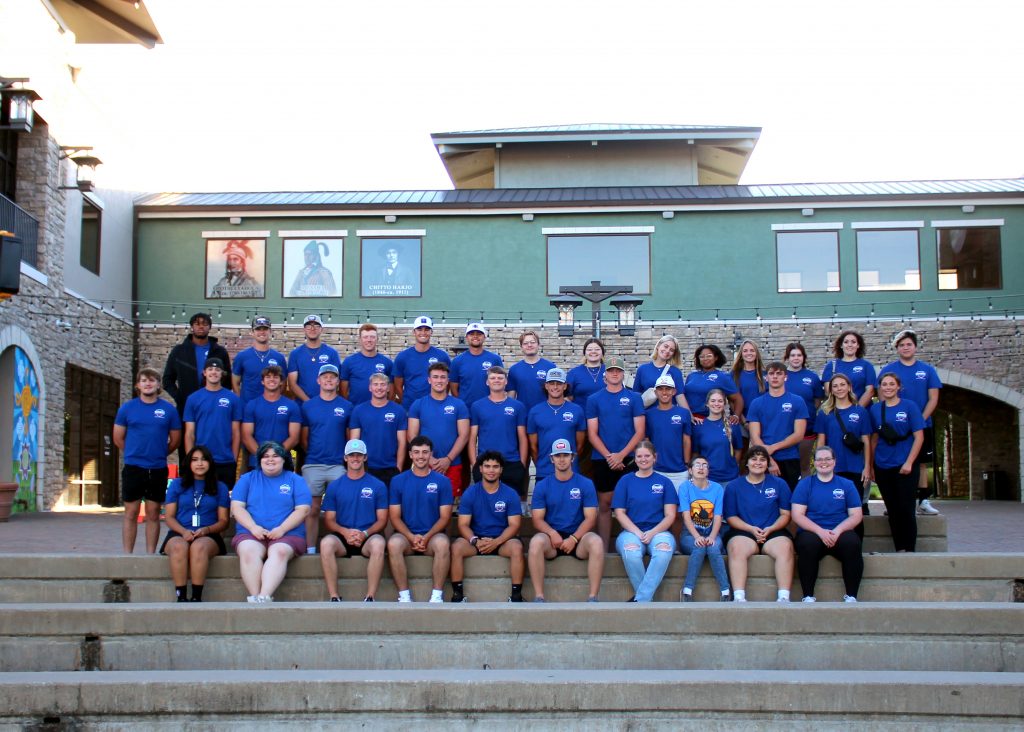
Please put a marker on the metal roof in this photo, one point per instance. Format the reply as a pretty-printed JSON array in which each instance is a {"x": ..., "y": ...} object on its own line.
[
  {"x": 538, "y": 198},
  {"x": 592, "y": 131}
]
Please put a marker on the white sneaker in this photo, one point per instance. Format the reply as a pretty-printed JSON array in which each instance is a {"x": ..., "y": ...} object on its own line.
[
  {"x": 927, "y": 509},
  {"x": 739, "y": 599},
  {"x": 252, "y": 599},
  {"x": 263, "y": 599},
  {"x": 437, "y": 598},
  {"x": 849, "y": 598},
  {"x": 404, "y": 599},
  {"x": 782, "y": 599},
  {"x": 809, "y": 599}
]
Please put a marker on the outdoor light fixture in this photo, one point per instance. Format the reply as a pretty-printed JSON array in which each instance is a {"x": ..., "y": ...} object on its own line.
[
  {"x": 627, "y": 313},
  {"x": 566, "y": 306},
  {"x": 390, "y": 219},
  {"x": 967, "y": 209},
  {"x": 85, "y": 175},
  {"x": 595, "y": 293},
  {"x": 16, "y": 112},
  {"x": 807, "y": 211},
  {"x": 668, "y": 214},
  {"x": 527, "y": 217}
]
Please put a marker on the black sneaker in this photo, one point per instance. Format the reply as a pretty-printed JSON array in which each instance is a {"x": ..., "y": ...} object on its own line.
[
  {"x": 368, "y": 598},
  {"x": 727, "y": 597},
  {"x": 335, "y": 599},
  {"x": 687, "y": 597},
  {"x": 515, "y": 598},
  {"x": 195, "y": 599},
  {"x": 182, "y": 598},
  {"x": 458, "y": 598}
]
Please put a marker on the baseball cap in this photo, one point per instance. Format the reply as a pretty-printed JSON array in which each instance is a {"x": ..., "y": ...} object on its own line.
[
  {"x": 312, "y": 319},
  {"x": 561, "y": 446},
  {"x": 423, "y": 322},
  {"x": 905, "y": 333},
  {"x": 665, "y": 380},
  {"x": 476, "y": 326},
  {"x": 213, "y": 361},
  {"x": 328, "y": 368},
  {"x": 260, "y": 322},
  {"x": 615, "y": 363},
  {"x": 355, "y": 446},
  {"x": 557, "y": 375}
]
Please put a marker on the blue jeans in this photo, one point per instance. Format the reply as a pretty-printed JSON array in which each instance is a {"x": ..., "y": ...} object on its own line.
[
  {"x": 696, "y": 556},
  {"x": 645, "y": 582}
]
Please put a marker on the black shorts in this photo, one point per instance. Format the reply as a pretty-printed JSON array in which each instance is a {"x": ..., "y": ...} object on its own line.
[
  {"x": 605, "y": 479},
  {"x": 350, "y": 549},
  {"x": 384, "y": 475},
  {"x": 733, "y": 533},
  {"x": 927, "y": 454},
  {"x": 143, "y": 483},
  {"x": 514, "y": 538},
  {"x": 217, "y": 539},
  {"x": 226, "y": 473},
  {"x": 562, "y": 552}
]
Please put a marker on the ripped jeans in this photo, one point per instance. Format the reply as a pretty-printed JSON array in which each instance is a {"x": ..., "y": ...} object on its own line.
[{"x": 631, "y": 549}]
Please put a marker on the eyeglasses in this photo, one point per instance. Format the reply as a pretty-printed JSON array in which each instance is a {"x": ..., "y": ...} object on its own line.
[{"x": 824, "y": 459}]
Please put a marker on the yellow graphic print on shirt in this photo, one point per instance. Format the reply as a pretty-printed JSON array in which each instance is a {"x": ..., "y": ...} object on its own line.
[{"x": 702, "y": 513}]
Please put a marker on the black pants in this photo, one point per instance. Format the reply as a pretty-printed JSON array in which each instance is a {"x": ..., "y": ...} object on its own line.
[
  {"x": 857, "y": 481},
  {"x": 900, "y": 495},
  {"x": 810, "y": 550},
  {"x": 789, "y": 471},
  {"x": 384, "y": 475}
]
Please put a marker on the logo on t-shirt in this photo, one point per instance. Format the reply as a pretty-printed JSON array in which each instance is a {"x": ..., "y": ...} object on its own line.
[
  {"x": 807, "y": 380},
  {"x": 366, "y": 492},
  {"x": 901, "y": 416},
  {"x": 223, "y": 402},
  {"x": 339, "y": 411},
  {"x": 787, "y": 407},
  {"x": 542, "y": 374},
  {"x": 510, "y": 411},
  {"x": 624, "y": 401},
  {"x": 567, "y": 416},
  {"x": 159, "y": 413},
  {"x": 839, "y": 494},
  {"x": 431, "y": 361},
  {"x": 285, "y": 489},
  {"x": 324, "y": 358},
  {"x": 449, "y": 409},
  {"x": 769, "y": 492},
  {"x": 272, "y": 362},
  {"x": 282, "y": 409},
  {"x": 676, "y": 419},
  {"x": 920, "y": 375},
  {"x": 486, "y": 365},
  {"x": 499, "y": 507},
  {"x": 575, "y": 494},
  {"x": 657, "y": 489},
  {"x": 853, "y": 418},
  {"x": 858, "y": 369},
  {"x": 379, "y": 367},
  {"x": 431, "y": 487},
  {"x": 389, "y": 417},
  {"x": 712, "y": 377}
]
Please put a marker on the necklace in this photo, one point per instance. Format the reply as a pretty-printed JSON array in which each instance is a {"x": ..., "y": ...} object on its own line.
[
  {"x": 594, "y": 372},
  {"x": 555, "y": 409}
]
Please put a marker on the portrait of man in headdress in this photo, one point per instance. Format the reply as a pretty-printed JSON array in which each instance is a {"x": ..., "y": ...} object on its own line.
[
  {"x": 310, "y": 266},
  {"x": 243, "y": 267}
]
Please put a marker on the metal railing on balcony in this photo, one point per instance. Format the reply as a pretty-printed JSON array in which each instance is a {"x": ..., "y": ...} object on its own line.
[{"x": 24, "y": 226}]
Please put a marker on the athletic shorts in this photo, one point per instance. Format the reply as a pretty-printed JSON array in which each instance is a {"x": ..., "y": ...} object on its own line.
[
  {"x": 733, "y": 533},
  {"x": 350, "y": 549},
  {"x": 143, "y": 483},
  {"x": 318, "y": 476},
  {"x": 297, "y": 543},
  {"x": 217, "y": 539},
  {"x": 927, "y": 454}
]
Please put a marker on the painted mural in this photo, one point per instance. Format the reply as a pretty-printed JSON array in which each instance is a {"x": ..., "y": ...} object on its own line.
[{"x": 25, "y": 449}]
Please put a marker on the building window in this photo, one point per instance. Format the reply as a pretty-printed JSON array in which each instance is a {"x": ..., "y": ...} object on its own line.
[
  {"x": 92, "y": 216},
  {"x": 807, "y": 261},
  {"x": 613, "y": 259},
  {"x": 888, "y": 260},
  {"x": 970, "y": 259}
]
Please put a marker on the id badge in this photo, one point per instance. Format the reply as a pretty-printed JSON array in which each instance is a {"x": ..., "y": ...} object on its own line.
[{"x": 195, "y": 521}]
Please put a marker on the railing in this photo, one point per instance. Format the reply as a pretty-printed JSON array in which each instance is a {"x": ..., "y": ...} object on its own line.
[{"x": 24, "y": 226}]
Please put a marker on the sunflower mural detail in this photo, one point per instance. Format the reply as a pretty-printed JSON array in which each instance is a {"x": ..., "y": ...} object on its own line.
[{"x": 25, "y": 447}]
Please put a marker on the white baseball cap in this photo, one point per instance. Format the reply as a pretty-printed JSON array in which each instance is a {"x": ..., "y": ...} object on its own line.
[
  {"x": 476, "y": 326},
  {"x": 423, "y": 321}
]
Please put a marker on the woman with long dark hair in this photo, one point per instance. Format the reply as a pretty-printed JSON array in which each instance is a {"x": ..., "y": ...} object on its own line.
[
  {"x": 849, "y": 359},
  {"x": 707, "y": 374},
  {"x": 196, "y": 513},
  {"x": 806, "y": 384}
]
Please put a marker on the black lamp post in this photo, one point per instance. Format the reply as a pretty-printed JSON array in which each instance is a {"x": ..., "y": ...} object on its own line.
[{"x": 595, "y": 293}]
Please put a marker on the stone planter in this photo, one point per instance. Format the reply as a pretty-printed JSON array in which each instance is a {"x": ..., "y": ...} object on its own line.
[{"x": 7, "y": 491}]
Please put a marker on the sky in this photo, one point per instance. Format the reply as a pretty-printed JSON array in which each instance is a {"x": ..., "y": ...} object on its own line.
[{"x": 313, "y": 95}]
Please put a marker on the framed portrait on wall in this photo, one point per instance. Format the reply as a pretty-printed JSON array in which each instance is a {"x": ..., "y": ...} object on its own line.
[
  {"x": 391, "y": 267},
  {"x": 235, "y": 268},
  {"x": 312, "y": 267}
]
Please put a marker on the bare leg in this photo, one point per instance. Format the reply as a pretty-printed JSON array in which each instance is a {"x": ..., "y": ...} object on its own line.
[
  {"x": 177, "y": 551},
  {"x": 130, "y": 525},
  {"x": 781, "y": 550},
  {"x": 540, "y": 551},
  {"x": 330, "y": 550},
  {"x": 373, "y": 549},
  {"x": 152, "y": 526},
  {"x": 200, "y": 553},
  {"x": 740, "y": 550},
  {"x": 440, "y": 549},
  {"x": 604, "y": 518},
  {"x": 460, "y": 550},
  {"x": 592, "y": 549},
  {"x": 513, "y": 549},
  {"x": 313, "y": 522},
  {"x": 251, "y": 554},
  {"x": 398, "y": 547},
  {"x": 275, "y": 567}
]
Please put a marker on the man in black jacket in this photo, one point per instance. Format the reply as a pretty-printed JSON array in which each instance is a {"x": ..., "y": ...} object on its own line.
[{"x": 183, "y": 374}]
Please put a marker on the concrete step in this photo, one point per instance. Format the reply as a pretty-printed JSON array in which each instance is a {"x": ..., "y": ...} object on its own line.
[
  {"x": 968, "y": 637},
  {"x": 939, "y": 577},
  {"x": 574, "y": 699}
]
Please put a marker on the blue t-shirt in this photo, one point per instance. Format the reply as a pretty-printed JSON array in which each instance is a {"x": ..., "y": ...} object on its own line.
[
  {"x": 648, "y": 373},
  {"x": 582, "y": 382},
  {"x": 527, "y": 381},
  {"x": 666, "y": 429},
  {"x": 915, "y": 381},
  {"x": 615, "y": 414},
  {"x": 827, "y": 503},
  {"x": 699, "y": 383},
  {"x": 703, "y": 504},
  {"x": 777, "y": 416},
  {"x": 489, "y": 512},
  {"x": 328, "y": 423},
  {"x": 378, "y": 428},
  {"x": 644, "y": 498},
  {"x": 552, "y": 423},
  {"x": 357, "y": 368},
  {"x": 564, "y": 501},
  {"x": 147, "y": 428},
  {"x": 749, "y": 388},
  {"x": 758, "y": 505},
  {"x": 202, "y": 353},
  {"x": 355, "y": 502},
  {"x": 213, "y": 412},
  {"x": 806, "y": 385},
  {"x": 439, "y": 420},
  {"x": 421, "y": 498},
  {"x": 498, "y": 426},
  {"x": 411, "y": 366},
  {"x": 709, "y": 439},
  {"x": 306, "y": 362},
  {"x": 271, "y": 500},
  {"x": 270, "y": 420},
  {"x": 860, "y": 372},
  {"x": 249, "y": 365},
  {"x": 469, "y": 372},
  {"x": 194, "y": 502},
  {"x": 906, "y": 418},
  {"x": 857, "y": 422}
]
